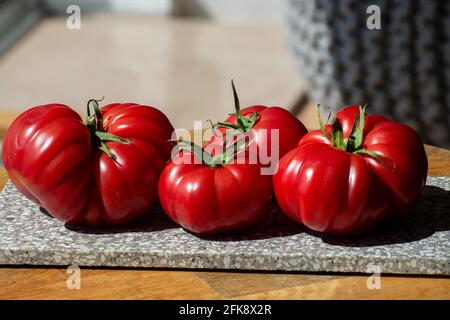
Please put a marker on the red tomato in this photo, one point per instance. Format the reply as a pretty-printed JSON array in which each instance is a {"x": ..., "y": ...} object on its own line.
[
  {"x": 346, "y": 184},
  {"x": 259, "y": 122},
  {"x": 209, "y": 198},
  {"x": 55, "y": 160}
]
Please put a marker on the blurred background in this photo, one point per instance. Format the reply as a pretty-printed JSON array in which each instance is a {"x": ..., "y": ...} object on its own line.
[{"x": 179, "y": 56}]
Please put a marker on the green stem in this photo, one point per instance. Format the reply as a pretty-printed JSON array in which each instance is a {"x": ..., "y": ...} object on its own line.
[
  {"x": 337, "y": 136},
  {"x": 241, "y": 120},
  {"x": 351, "y": 145},
  {"x": 228, "y": 125},
  {"x": 106, "y": 150},
  {"x": 98, "y": 113},
  {"x": 323, "y": 127},
  {"x": 359, "y": 134},
  {"x": 105, "y": 136},
  {"x": 234, "y": 150},
  {"x": 355, "y": 141},
  {"x": 198, "y": 151},
  {"x": 243, "y": 123},
  {"x": 377, "y": 157},
  {"x": 207, "y": 158},
  {"x": 95, "y": 125}
]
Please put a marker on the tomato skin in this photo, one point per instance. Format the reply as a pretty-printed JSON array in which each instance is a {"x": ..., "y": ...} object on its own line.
[
  {"x": 50, "y": 158},
  {"x": 334, "y": 191},
  {"x": 207, "y": 200},
  {"x": 291, "y": 130}
]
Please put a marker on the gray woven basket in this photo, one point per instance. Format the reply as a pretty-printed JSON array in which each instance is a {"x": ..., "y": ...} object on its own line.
[{"x": 401, "y": 70}]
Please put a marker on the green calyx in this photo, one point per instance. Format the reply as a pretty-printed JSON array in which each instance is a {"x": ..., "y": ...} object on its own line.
[
  {"x": 95, "y": 124},
  {"x": 233, "y": 142},
  {"x": 355, "y": 141},
  {"x": 207, "y": 158},
  {"x": 243, "y": 124}
]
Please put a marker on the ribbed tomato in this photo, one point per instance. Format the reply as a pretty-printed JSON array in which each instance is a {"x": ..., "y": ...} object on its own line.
[
  {"x": 102, "y": 171},
  {"x": 353, "y": 174},
  {"x": 214, "y": 194}
]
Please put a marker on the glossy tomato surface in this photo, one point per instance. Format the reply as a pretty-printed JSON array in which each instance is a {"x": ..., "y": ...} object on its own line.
[
  {"x": 207, "y": 200},
  {"x": 290, "y": 130},
  {"x": 51, "y": 157},
  {"x": 335, "y": 191}
]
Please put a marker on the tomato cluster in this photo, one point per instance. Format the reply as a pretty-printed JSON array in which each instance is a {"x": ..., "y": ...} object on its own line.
[{"x": 113, "y": 166}]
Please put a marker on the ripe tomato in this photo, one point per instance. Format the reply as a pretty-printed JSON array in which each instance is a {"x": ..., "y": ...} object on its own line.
[
  {"x": 215, "y": 195},
  {"x": 260, "y": 123},
  {"x": 102, "y": 171},
  {"x": 349, "y": 176}
]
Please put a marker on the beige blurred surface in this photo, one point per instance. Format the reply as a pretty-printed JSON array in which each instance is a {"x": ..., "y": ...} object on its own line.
[{"x": 181, "y": 66}]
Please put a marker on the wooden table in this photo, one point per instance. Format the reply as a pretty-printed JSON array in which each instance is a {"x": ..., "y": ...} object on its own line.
[{"x": 102, "y": 283}]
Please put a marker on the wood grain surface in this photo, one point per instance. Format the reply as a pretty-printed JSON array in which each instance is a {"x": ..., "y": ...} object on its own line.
[{"x": 101, "y": 283}]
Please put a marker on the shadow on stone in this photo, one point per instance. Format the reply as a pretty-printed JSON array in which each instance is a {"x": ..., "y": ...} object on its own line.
[
  {"x": 44, "y": 211},
  {"x": 271, "y": 225},
  {"x": 154, "y": 221},
  {"x": 431, "y": 214}
]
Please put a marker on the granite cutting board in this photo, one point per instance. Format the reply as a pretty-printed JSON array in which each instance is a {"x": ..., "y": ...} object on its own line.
[{"x": 417, "y": 244}]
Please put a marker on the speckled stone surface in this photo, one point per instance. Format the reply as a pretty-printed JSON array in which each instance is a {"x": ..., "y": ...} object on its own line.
[{"x": 417, "y": 244}]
